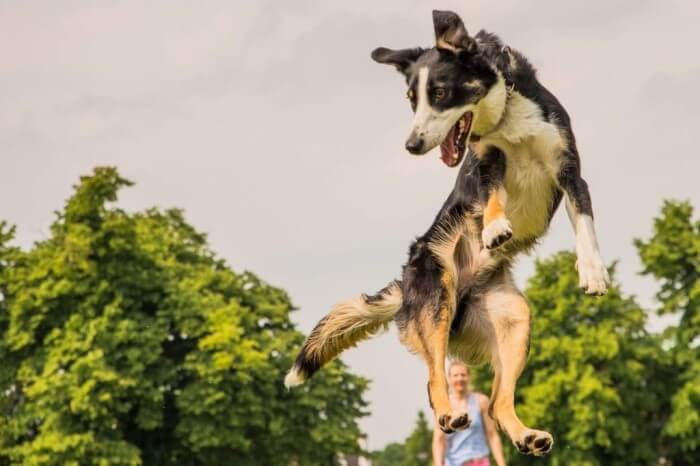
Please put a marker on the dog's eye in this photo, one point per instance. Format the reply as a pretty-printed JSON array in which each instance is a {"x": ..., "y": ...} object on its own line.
[{"x": 439, "y": 93}]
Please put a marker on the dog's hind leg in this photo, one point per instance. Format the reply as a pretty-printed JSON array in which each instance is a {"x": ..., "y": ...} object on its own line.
[
  {"x": 428, "y": 336},
  {"x": 509, "y": 315},
  {"x": 429, "y": 287}
]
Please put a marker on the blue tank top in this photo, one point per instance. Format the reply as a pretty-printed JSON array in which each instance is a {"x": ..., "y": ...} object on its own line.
[{"x": 468, "y": 444}]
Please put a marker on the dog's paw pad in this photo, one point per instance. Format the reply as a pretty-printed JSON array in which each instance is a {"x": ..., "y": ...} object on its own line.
[
  {"x": 444, "y": 422},
  {"x": 534, "y": 442},
  {"x": 496, "y": 233},
  {"x": 460, "y": 422}
]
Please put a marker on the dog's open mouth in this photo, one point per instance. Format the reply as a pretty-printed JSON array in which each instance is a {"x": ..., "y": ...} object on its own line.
[{"x": 455, "y": 144}]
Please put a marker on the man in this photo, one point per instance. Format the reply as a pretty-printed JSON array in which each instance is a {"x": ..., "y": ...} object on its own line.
[{"x": 469, "y": 447}]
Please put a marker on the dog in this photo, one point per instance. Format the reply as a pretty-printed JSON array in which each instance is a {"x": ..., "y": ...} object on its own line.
[{"x": 481, "y": 102}]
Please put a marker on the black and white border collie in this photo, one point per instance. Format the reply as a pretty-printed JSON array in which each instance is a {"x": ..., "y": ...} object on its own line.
[{"x": 481, "y": 102}]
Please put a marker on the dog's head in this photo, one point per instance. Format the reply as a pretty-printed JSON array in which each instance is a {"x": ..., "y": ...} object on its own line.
[{"x": 446, "y": 83}]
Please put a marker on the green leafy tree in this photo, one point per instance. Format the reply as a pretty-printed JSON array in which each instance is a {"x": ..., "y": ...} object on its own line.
[
  {"x": 592, "y": 377},
  {"x": 672, "y": 255},
  {"x": 394, "y": 454},
  {"x": 415, "y": 451},
  {"x": 126, "y": 341},
  {"x": 419, "y": 444}
]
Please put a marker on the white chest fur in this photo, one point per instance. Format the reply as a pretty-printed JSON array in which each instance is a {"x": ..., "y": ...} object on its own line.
[{"x": 533, "y": 150}]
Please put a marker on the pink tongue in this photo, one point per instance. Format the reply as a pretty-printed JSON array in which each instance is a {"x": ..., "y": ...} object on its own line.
[{"x": 447, "y": 148}]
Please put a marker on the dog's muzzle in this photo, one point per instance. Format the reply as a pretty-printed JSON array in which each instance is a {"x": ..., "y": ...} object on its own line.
[{"x": 415, "y": 144}]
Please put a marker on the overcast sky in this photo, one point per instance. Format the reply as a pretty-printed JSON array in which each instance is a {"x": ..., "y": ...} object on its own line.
[{"x": 270, "y": 125}]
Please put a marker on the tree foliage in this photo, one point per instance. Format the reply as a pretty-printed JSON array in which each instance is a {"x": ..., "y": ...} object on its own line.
[
  {"x": 611, "y": 392},
  {"x": 419, "y": 443},
  {"x": 592, "y": 373},
  {"x": 416, "y": 450},
  {"x": 672, "y": 256},
  {"x": 126, "y": 341}
]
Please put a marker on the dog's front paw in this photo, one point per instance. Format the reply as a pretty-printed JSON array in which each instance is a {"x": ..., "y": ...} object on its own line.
[
  {"x": 534, "y": 442},
  {"x": 496, "y": 233},
  {"x": 592, "y": 275}
]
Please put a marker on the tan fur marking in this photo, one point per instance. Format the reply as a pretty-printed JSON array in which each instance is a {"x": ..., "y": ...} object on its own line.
[
  {"x": 479, "y": 149},
  {"x": 435, "y": 339},
  {"x": 410, "y": 338},
  {"x": 443, "y": 44},
  {"x": 428, "y": 336},
  {"x": 495, "y": 206},
  {"x": 443, "y": 248},
  {"x": 465, "y": 262}
]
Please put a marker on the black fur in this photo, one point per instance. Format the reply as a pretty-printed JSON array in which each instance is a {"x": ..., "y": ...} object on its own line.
[
  {"x": 307, "y": 362},
  {"x": 449, "y": 29},
  {"x": 570, "y": 179},
  {"x": 381, "y": 294},
  {"x": 447, "y": 72},
  {"x": 420, "y": 283}
]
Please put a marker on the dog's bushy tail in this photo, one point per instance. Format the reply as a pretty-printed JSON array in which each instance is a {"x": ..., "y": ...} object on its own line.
[{"x": 348, "y": 323}]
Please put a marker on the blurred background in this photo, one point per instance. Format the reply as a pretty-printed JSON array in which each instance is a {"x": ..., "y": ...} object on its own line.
[{"x": 269, "y": 126}]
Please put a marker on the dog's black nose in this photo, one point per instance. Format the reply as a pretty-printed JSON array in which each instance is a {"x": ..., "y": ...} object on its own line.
[{"x": 414, "y": 145}]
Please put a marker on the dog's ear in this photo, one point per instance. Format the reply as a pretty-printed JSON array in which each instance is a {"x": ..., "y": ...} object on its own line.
[
  {"x": 450, "y": 33},
  {"x": 401, "y": 59}
]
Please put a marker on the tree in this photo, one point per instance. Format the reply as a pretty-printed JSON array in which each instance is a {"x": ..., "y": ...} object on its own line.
[
  {"x": 592, "y": 377},
  {"x": 394, "y": 454},
  {"x": 419, "y": 444},
  {"x": 415, "y": 451},
  {"x": 126, "y": 341},
  {"x": 672, "y": 256}
]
